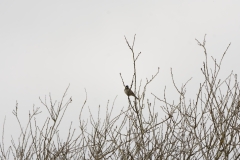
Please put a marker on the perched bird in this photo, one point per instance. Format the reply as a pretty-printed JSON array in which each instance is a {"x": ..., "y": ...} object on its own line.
[{"x": 129, "y": 92}]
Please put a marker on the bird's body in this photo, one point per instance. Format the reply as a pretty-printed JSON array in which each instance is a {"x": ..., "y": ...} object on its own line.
[{"x": 129, "y": 92}]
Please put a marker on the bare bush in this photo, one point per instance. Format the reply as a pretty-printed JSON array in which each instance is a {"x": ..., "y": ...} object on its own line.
[{"x": 205, "y": 127}]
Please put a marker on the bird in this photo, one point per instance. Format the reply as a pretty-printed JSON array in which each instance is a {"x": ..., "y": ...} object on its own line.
[{"x": 129, "y": 92}]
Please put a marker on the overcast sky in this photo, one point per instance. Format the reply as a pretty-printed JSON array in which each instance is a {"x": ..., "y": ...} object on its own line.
[{"x": 46, "y": 45}]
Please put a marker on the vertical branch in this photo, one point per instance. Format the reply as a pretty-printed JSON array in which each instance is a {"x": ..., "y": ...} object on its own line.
[{"x": 134, "y": 63}]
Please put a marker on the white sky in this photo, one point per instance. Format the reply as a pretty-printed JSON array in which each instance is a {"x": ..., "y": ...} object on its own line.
[{"x": 45, "y": 45}]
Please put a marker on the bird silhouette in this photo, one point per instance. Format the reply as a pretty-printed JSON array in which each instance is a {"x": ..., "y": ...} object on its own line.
[{"x": 129, "y": 92}]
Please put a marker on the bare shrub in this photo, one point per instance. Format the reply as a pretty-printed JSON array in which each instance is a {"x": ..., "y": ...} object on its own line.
[{"x": 205, "y": 127}]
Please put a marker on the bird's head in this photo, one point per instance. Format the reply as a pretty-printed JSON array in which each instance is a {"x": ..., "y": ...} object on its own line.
[{"x": 127, "y": 87}]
